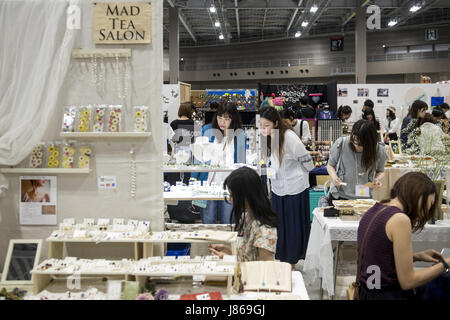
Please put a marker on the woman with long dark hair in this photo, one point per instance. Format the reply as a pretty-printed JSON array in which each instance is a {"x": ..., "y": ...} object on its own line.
[
  {"x": 289, "y": 165},
  {"x": 388, "y": 227},
  {"x": 370, "y": 116},
  {"x": 391, "y": 125},
  {"x": 416, "y": 112},
  {"x": 355, "y": 161},
  {"x": 255, "y": 220},
  {"x": 229, "y": 140}
]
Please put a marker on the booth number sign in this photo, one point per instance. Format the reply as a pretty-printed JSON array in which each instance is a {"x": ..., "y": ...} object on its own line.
[
  {"x": 431, "y": 34},
  {"x": 122, "y": 22}
]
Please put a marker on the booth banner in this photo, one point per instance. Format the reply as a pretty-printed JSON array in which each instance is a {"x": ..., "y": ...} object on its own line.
[
  {"x": 38, "y": 200},
  {"x": 122, "y": 22},
  {"x": 245, "y": 99}
]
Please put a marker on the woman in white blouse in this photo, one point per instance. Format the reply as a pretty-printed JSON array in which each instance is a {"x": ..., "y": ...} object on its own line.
[
  {"x": 288, "y": 170},
  {"x": 391, "y": 125}
]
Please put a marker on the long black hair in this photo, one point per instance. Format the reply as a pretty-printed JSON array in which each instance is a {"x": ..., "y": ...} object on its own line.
[
  {"x": 365, "y": 134},
  {"x": 246, "y": 187},
  {"x": 271, "y": 114},
  {"x": 231, "y": 110}
]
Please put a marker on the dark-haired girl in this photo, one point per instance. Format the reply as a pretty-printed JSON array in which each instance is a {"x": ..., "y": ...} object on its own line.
[
  {"x": 344, "y": 113},
  {"x": 229, "y": 139},
  {"x": 288, "y": 170},
  {"x": 354, "y": 161},
  {"x": 416, "y": 112},
  {"x": 370, "y": 116},
  {"x": 256, "y": 222},
  {"x": 388, "y": 245}
]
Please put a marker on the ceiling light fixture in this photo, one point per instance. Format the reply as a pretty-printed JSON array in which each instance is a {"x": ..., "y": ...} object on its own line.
[
  {"x": 392, "y": 23},
  {"x": 415, "y": 8},
  {"x": 298, "y": 34},
  {"x": 313, "y": 9},
  {"x": 212, "y": 9},
  {"x": 217, "y": 24},
  {"x": 384, "y": 46},
  {"x": 221, "y": 37},
  {"x": 305, "y": 23}
]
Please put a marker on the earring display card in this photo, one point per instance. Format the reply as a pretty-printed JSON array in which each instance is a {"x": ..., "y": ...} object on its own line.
[
  {"x": 107, "y": 182},
  {"x": 266, "y": 275}
]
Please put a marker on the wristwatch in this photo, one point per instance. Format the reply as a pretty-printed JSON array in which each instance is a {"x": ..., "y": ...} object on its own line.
[{"x": 446, "y": 267}]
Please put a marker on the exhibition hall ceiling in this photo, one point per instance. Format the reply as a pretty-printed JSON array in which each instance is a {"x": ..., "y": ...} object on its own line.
[{"x": 218, "y": 22}]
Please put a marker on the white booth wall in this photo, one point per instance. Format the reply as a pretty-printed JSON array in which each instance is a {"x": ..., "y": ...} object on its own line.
[
  {"x": 401, "y": 96},
  {"x": 78, "y": 195}
]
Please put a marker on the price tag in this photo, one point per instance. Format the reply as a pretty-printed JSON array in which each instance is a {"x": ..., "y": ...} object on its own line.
[
  {"x": 362, "y": 191},
  {"x": 103, "y": 222},
  {"x": 79, "y": 234},
  {"x": 271, "y": 173},
  {"x": 69, "y": 221},
  {"x": 118, "y": 221},
  {"x": 204, "y": 296},
  {"x": 114, "y": 290}
]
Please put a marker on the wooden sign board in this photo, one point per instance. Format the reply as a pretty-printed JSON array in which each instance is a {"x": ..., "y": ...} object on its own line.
[{"x": 122, "y": 22}]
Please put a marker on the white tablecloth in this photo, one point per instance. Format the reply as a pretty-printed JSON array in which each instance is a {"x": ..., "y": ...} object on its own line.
[{"x": 319, "y": 255}]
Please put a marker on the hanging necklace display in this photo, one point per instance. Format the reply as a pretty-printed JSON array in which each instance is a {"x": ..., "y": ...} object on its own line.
[
  {"x": 94, "y": 73},
  {"x": 133, "y": 174},
  {"x": 122, "y": 84}
]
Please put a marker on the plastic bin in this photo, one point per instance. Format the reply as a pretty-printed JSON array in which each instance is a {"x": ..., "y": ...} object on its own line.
[
  {"x": 178, "y": 249},
  {"x": 314, "y": 197}
]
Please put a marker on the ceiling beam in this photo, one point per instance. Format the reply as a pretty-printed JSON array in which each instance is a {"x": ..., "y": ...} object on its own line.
[
  {"x": 353, "y": 14},
  {"x": 405, "y": 14},
  {"x": 304, "y": 13},
  {"x": 236, "y": 11},
  {"x": 183, "y": 21},
  {"x": 293, "y": 16},
  {"x": 264, "y": 20},
  {"x": 322, "y": 7}
]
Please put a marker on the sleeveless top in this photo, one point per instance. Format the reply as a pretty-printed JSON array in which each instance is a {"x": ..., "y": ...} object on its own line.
[{"x": 378, "y": 249}]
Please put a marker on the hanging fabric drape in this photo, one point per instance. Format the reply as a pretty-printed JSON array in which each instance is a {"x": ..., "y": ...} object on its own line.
[{"x": 35, "y": 51}]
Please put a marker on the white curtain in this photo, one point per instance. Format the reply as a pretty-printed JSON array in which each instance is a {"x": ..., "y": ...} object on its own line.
[{"x": 35, "y": 50}]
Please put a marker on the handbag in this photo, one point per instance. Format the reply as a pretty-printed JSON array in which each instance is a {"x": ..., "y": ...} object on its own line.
[{"x": 353, "y": 290}]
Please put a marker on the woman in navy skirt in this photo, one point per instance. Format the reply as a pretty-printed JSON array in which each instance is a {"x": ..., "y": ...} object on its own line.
[{"x": 290, "y": 164}]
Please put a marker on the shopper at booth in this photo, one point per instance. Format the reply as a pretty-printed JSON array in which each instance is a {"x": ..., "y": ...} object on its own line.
[
  {"x": 288, "y": 170},
  {"x": 344, "y": 113},
  {"x": 391, "y": 126},
  {"x": 184, "y": 125},
  {"x": 356, "y": 163},
  {"x": 255, "y": 221},
  {"x": 417, "y": 111},
  {"x": 368, "y": 104},
  {"x": 444, "y": 107},
  {"x": 307, "y": 111},
  {"x": 300, "y": 127},
  {"x": 229, "y": 139},
  {"x": 370, "y": 116},
  {"x": 387, "y": 228}
]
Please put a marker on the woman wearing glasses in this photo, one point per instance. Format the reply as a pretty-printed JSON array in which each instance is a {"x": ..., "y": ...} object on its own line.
[
  {"x": 356, "y": 163},
  {"x": 229, "y": 141},
  {"x": 256, "y": 221},
  {"x": 288, "y": 170}
]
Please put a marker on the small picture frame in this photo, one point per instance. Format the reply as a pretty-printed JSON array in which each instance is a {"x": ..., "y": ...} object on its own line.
[
  {"x": 22, "y": 257},
  {"x": 395, "y": 147}
]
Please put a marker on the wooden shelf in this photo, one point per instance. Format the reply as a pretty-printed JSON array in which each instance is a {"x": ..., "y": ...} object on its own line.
[
  {"x": 43, "y": 171},
  {"x": 104, "y": 135}
]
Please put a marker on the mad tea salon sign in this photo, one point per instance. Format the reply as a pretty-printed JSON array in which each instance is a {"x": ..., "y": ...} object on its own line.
[{"x": 122, "y": 22}]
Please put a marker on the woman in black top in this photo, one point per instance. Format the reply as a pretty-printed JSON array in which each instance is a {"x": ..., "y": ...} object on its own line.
[
  {"x": 370, "y": 115},
  {"x": 184, "y": 125}
]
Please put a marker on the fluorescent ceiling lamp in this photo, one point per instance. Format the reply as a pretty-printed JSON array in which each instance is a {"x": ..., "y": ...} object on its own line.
[
  {"x": 304, "y": 23},
  {"x": 392, "y": 23},
  {"x": 314, "y": 9},
  {"x": 217, "y": 24},
  {"x": 384, "y": 46},
  {"x": 297, "y": 34},
  {"x": 221, "y": 37},
  {"x": 212, "y": 9},
  {"x": 415, "y": 8}
]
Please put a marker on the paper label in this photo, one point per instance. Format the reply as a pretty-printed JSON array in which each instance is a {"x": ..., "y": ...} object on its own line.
[
  {"x": 114, "y": 290},
  {"x": 205, "y": 296},
  {"x": 271, "y": 173},
  {"x": 362, "y": 191},
  {"x": 107, "y": 182}
]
